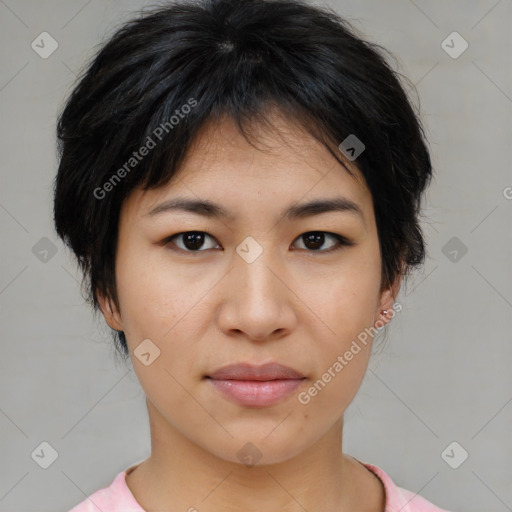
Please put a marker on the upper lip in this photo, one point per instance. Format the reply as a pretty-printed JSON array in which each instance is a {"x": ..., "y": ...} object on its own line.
[{"x": 247, "y": 371}]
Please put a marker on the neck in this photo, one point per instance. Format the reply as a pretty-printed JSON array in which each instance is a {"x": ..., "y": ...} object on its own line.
[{"x": 180, "y": 475}]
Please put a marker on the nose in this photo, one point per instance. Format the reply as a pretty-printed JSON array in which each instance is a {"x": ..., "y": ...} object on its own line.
[{"x": 256, "y": 300}]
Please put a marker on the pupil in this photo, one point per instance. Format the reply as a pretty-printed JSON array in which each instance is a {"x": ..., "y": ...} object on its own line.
[
  {"x": 316, "y": 238},
  {"x": 193, "y": 240}
]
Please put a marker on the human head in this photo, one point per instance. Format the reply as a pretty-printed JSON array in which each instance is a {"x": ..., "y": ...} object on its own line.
[{"x": 164, "y": 76}]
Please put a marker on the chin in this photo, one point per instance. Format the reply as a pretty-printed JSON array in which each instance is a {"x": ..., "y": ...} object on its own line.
[{"x": 259, "y": 448}]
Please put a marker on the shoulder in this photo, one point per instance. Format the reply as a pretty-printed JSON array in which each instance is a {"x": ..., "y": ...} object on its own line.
[
  {"x": 398, "y": 499},
  {"x": 417, "y": 503},
  {"x": 116, "y": 497}
]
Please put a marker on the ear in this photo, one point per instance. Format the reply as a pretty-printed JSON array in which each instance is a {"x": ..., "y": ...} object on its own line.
[
  {"x": 111, "y": 314},
  {"x": 387, "y": 299}
]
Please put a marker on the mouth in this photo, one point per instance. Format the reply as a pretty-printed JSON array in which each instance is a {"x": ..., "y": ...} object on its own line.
[{"x": 256, "y": 386}]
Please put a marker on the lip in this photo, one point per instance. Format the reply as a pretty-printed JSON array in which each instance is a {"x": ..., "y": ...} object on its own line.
[
  {"x": 256, "y": 386},
  {"x": 247, "y": 371}
]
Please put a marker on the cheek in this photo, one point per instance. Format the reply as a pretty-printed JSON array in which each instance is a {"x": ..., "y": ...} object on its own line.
[
  {"x": 334, "y": 388},
  {"x": 151, "y": 293},
  {"x": 156, "y": 308},
  {"x": 350, "y": 296},
  {"x": 342, "y": 365},
  {"x": 160, "y": 303},
  {"x": 348, "y": 312}
]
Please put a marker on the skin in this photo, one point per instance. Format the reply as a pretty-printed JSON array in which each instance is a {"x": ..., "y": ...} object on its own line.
[{"x": 209, "y": 308}]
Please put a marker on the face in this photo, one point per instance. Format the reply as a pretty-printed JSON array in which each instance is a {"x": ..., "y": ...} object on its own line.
[{"x": 250, "y": 285}]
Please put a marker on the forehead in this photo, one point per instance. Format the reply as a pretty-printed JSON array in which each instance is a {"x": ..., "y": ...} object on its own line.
[
  {"x": 282, "y": 142},
  {"x": 281, "y": 163}
]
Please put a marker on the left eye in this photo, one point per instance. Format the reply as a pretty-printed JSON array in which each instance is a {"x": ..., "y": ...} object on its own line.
[
  {"x": 315, "y": 239},
  {"x": 193, "y": 241}
]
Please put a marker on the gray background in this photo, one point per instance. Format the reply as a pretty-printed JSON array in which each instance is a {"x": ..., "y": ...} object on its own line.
[{"x": 443, "y": 374}]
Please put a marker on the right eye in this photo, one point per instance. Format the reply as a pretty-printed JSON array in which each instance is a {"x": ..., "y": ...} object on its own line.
[{"x": 192, "y": 241}]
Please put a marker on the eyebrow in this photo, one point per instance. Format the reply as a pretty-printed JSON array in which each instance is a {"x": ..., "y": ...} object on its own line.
[{"x": 297, "y": 211}]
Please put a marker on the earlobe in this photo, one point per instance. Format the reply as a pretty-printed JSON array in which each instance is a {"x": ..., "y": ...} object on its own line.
[
  {"x": 112, "y": 316},
  {"x": 385, "y": 311}
]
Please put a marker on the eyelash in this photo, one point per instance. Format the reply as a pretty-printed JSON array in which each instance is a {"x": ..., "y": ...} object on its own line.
[{"x": 341, "y": 242}]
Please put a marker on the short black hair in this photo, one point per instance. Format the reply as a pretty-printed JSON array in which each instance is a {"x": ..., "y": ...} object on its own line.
[{"x": 165, "y": 73}]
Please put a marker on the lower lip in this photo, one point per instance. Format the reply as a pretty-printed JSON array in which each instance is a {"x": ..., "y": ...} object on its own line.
[{"x": 252, "y": 393}]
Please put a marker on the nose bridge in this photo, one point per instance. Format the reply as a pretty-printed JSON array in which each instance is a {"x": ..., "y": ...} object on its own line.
[
  {"x": 255, "y": 266},
  {"x": 256, "y": 301}
]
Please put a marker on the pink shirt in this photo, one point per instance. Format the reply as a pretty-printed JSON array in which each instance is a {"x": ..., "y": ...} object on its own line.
[{"x": 117, "y": 497}]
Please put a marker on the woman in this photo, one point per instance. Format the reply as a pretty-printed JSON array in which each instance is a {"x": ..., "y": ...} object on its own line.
[{"x": 240, "y": 182}]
